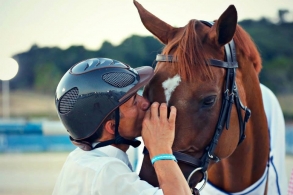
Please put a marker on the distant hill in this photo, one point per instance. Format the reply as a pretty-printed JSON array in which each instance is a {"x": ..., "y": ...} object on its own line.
[{"x": 41, "y": 68}]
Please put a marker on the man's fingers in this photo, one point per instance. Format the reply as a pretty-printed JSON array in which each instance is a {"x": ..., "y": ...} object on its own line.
[
  {"x": 163, "y": 111},
  {"x": 147, "y": 114},
  {"x": 154, "y": 110},
  {"x": 172, "y": 117}
]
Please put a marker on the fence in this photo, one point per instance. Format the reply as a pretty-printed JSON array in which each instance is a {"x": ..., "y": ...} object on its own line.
[{"x": 22, "y": 136}]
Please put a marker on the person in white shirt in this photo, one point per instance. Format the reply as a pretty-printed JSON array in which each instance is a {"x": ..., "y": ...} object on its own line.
[{"x": 98, "y": 104}]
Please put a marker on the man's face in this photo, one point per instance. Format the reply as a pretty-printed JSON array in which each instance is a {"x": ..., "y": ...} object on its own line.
[{"x": 131, "y": 116}]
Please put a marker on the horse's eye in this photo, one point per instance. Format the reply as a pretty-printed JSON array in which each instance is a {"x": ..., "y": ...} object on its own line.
[{"x": 209, "y": 101}]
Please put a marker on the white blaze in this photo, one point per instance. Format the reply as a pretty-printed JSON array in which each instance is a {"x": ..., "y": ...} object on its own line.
[{"x": 170, "y": 85}]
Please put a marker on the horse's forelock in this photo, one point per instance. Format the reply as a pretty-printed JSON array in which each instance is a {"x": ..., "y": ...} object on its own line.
[{"x": 188, "y": 54}]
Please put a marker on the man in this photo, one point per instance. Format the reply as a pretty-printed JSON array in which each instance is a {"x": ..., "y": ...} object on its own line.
[{"x": 97, "y": 102}]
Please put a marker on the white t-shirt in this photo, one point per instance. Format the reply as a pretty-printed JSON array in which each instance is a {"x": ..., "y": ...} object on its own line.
[{"x": 102, "y": 171}]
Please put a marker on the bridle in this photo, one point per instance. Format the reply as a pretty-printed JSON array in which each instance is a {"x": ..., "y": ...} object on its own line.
[{"x": 230, "y": 96}]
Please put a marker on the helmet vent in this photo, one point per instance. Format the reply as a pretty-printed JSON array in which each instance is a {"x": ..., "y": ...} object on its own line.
[
  {"x": 68, "y": 100},
  {"x": 118, "y": 79}
]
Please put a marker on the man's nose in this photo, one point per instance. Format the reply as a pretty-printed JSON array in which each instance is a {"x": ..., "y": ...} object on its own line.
[{"x": 145, "y": 104}]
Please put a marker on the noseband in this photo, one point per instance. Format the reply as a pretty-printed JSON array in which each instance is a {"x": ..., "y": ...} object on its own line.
[{"x": 230, "y": 96}]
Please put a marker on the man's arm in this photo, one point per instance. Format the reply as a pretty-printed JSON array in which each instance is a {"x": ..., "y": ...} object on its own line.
[{"x": 158, "y": 134}]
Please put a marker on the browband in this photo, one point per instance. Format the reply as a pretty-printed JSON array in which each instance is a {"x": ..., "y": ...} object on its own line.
[{"x": 213, "y": 62}]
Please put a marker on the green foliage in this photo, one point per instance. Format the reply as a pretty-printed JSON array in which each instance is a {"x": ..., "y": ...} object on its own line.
[
  {"x": 42, "y": 68},
  {"x": 135, "y": 51},
  {"x": 47, "y": 77},
  {"x": 278, "y": 74},
  {"x": 274, "y": 42},
  {"x": 272, "y": 39}
]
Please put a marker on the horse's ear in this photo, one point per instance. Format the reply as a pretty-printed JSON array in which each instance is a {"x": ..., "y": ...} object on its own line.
[
  {"x": 157, "y": 27},
  {"x": 226, "y": 25}
]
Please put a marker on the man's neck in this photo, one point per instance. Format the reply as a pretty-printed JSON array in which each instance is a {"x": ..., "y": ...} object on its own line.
[
  {"x": 106, "y": 137},
  {"x": 123, "y": 147}
]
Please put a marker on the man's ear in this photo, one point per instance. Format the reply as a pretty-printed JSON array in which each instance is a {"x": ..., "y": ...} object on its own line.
[{"x": 110, "y": 127}]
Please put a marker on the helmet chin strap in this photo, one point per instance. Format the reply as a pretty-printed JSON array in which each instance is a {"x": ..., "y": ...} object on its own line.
[
  {"x": 86, "y": 146},
  {"x": 118, "y": 139}
]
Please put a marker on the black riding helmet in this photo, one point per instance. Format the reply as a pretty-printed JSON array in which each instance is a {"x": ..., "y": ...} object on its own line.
[{"x": 92, "y": 89}]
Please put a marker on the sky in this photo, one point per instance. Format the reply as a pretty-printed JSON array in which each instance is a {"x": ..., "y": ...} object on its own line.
[{"x": 63, "y": 23}]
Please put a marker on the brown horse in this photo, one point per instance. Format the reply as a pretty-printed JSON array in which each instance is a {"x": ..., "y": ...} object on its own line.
[{"x": 208, "y": 72}]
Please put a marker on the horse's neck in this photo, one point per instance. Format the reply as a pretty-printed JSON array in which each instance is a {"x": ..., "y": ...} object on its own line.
[
  {"x": 147, "y": 171},
  {"x": 248, "y": 162}
]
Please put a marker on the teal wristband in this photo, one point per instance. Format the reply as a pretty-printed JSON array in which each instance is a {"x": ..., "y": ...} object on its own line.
[{"x": 163, "y": 157}]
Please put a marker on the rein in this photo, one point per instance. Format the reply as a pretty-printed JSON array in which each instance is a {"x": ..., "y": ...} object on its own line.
[{"x": 230, "y": 96}]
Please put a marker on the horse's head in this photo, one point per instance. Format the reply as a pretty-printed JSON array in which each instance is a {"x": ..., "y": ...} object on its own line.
[{"x": 191, "y": 81}]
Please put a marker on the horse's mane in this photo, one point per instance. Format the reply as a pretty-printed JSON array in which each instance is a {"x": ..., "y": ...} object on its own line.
[
  {"x": 188, "y": 48},
  {"x": 247, "y": 47}
]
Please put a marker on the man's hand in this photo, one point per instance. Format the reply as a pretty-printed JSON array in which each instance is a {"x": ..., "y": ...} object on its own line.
[{"x": 158, "y": 131}]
